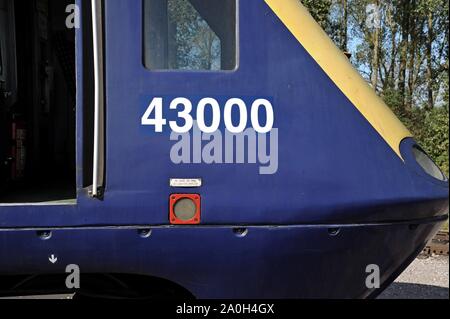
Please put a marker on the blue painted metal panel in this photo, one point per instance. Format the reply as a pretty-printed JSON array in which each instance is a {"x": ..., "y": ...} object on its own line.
[
  {"x": 271, "y": 262},
  {"x": 334, "y": 168}
]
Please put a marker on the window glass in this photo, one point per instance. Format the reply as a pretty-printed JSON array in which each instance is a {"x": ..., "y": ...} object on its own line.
[
  {"x": 427, "y": 164},
  {"x": 190, "y": 34}
]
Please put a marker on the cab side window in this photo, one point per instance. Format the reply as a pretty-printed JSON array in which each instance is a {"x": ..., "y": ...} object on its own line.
[{"x": 190, "y": 35}]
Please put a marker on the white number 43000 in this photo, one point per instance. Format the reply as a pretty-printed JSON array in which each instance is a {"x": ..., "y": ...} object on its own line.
[{"x": 184, "y": 107}]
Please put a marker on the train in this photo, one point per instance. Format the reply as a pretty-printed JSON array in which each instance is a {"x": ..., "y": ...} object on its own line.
[{"x": 220, "y": 149}]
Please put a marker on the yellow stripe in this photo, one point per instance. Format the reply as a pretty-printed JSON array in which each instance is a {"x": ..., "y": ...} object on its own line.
[{"x": 337, "y": 66}]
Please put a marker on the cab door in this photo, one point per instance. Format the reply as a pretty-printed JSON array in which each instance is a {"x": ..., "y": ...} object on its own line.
[{"x": 158, "y": 51}]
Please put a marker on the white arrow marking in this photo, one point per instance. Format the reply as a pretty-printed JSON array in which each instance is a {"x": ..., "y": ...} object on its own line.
[{"x": 53, "y": 259}]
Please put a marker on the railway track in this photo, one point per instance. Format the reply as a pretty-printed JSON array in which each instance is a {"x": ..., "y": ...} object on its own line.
[{"x": 438, "y": 245}]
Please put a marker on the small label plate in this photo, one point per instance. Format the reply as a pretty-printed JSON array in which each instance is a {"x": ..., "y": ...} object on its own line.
[{"x": 186, "y": 182}]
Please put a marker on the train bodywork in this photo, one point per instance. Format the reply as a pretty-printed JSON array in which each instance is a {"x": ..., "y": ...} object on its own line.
[{"x": 347, "y": 193}]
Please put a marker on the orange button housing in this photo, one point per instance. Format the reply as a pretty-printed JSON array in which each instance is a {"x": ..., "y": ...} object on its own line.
[{"x": 196, "y": 198}]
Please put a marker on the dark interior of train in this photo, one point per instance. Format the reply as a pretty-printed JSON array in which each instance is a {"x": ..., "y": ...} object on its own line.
[{"x": 37, "y": 103}]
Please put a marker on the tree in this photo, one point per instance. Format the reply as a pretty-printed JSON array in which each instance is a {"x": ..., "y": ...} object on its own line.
[
  {"x": 320, "y": 10},
  {"x": 196, "y": 45}
]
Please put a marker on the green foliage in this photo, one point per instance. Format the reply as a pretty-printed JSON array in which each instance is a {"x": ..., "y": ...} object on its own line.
[
  {"x": 320, "y": 10},
  {"x": 433, "y": 135}
]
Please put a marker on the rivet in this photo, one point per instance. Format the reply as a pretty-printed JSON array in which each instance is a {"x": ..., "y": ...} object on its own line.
[
  {"x": 145, "y": 233},
  {"x": 240, "y": 232},
  {"x": 44, "y": 234},
  {"x": 334, "y": 231}
]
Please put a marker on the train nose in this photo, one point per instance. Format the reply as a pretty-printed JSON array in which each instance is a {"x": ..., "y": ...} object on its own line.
[
  {"x": 427, "y": 185},
  {"x": 421, "y": 163}
]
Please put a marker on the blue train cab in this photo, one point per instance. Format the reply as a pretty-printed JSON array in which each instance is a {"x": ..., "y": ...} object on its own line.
[{"x": 193, "y": 148}]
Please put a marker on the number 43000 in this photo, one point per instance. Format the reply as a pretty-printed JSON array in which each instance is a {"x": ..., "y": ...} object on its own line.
[{"x": 184, "y": 107}]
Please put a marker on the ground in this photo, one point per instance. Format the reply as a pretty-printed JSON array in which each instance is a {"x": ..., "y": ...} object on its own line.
[{"x": 426, "y": 278}]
